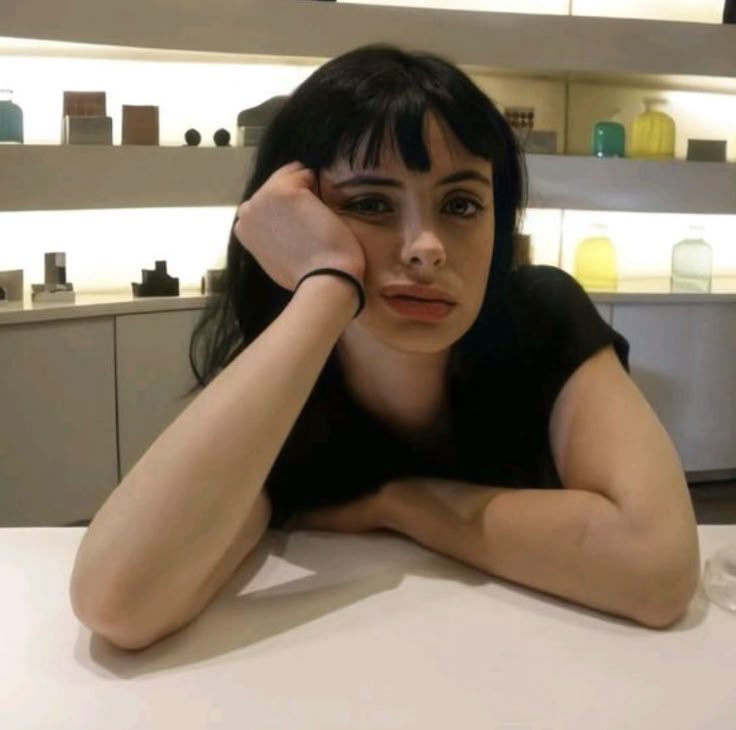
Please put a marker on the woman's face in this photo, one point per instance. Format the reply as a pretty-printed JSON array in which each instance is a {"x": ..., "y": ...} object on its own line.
[{"x": 427, "y": 239}]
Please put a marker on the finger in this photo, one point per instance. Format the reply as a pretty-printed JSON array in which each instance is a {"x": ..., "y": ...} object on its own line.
[{"x": 304, "y": 178}]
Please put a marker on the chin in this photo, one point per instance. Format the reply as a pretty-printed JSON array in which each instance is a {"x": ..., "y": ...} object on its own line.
[{"x": 418, "y": 337}]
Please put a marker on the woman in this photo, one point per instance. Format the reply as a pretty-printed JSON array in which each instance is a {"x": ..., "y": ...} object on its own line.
[{"x": 375, "y": 364}]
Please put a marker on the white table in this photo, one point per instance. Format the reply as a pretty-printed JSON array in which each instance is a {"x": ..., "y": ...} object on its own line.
[{"x": 357, "y": 632}]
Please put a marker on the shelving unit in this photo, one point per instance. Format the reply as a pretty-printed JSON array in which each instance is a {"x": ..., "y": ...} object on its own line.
[{"x": 684, "y": 347}]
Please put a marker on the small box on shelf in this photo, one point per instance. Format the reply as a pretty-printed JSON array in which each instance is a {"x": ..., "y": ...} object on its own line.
[
  {"x": 140, "y": 125},
  {"x": 84, "y": 118},
  {"x": 87, "y": 130},
  {"x": 11, "y": 286},
  {"x": 706, "y": 150}
]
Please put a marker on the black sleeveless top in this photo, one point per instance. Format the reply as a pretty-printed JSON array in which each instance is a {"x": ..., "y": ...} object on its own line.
[{"x": 503, "y": 379}]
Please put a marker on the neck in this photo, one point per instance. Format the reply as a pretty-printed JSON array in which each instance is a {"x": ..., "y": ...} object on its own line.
[{"x": 406, "y": 390}]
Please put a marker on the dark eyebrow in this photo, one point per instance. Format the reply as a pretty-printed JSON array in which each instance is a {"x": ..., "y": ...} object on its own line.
[{"x": 459, "y": 176}]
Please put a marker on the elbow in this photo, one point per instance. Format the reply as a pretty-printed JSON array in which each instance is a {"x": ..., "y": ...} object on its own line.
[
  {"x": 106, "y": 620},
  {"x": 103, "y": 624},
  {"x": 665, "y": 590}
]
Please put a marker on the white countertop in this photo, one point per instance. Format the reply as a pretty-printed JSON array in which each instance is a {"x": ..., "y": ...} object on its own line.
[
  {"x": 357, "y": 632},
  {"x": 95, "y": 305}
]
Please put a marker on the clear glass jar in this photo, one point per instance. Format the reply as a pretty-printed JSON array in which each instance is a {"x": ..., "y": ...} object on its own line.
[
  {"x": 11, "y": 119},
  {"x": 719, "y": 577},
  {"x": 653, "y": 133},
  {"x": 596, "y": 267},
  {"x": 692, "y": 263}
]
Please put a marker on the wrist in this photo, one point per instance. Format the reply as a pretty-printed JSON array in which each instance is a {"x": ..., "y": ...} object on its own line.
[
  {"x": 399, "y": 502},
  {"x": 341, "y": 276},
  {"x": 328, "y": 293}
]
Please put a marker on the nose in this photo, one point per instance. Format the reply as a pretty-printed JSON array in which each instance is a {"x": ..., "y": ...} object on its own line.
[{"x": 423, "y": 251}]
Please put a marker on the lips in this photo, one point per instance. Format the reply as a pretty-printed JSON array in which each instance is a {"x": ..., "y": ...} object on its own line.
[
  {"x": 416, "y": 292},
  {"x": 425, "y": 304}
]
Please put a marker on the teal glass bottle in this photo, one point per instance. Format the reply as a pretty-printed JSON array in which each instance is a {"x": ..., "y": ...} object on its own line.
[
  {"x": 11, "y": 119},
  {"x": 609, "y": 139},
  {"x": 692, "y": 264}
]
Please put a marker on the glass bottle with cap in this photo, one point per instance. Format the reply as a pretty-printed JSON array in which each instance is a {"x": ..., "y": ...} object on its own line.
[
  {"x": 692, "y": 263},
  {"x": 595, "y": 265},
  {"x": 653, "y": 132},
  {"x": 11, "y": 119},
  {"x": 609, "y": 138}
]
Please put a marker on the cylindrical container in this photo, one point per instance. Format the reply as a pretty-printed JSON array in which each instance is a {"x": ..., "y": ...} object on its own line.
[
  {"x": 595, "y": 266},
  {"x": 653, "y": 133},
  {"x": 11, "y": 119},
  {"x": 608, "y": 140},
  {"x": 692, "y": 263}
]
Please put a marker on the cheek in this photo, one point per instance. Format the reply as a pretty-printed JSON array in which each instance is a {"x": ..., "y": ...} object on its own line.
[{"x": 379, "y": 246}]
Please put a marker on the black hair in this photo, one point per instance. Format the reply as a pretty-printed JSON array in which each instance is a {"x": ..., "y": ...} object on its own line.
[{"x": 367, "y": 95}]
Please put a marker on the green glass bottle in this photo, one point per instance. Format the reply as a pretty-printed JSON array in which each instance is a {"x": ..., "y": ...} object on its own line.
[
  {"x": 609, "y": 138},
  {"x": 595, "y": 266},
  {"x": 11, "y": 119},
  {"x": 692, "y": 263}
]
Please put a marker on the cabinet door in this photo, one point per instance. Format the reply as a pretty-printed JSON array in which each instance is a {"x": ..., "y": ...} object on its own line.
[
  {"x": 58, "y": 456},
  {"x": 153, "y": 377},
  {"x": 605, "y": 311},
  {"x": 683, "y": 357}
]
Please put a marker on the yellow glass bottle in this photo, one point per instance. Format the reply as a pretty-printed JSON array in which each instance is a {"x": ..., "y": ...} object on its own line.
[
  {"x": 595, "y": 266},
  {"x": 653, "y": 133}
]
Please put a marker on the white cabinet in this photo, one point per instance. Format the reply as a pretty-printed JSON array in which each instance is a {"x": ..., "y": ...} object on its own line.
[
  {"x": 606, "y": 311},
  {"x": 683, "y": 357},
  {"x": 153, "y": 377},
  {"x": 58, "y": 456}
]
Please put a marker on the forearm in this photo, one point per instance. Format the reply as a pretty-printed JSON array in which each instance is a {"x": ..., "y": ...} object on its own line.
[
  {"x": 571, "y": 543},
  {"x": 171, "y": 519}
]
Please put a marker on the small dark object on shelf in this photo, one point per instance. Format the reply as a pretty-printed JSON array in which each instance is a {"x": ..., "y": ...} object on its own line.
[
  {"x": 2, "y": 295},
  {"x": 706, "y": 150},
  {"x": 156, "y": 283},
  {"x": 522, "y": 250},
  {"x": 192, "y": 137},
  {"x": 729, "y": 11},
  {"x": 253, "y": 121},
  {"x": 213, "y": 282},
  {"x": 541, "y": 142},
  {"x": 222, "y": 138}
]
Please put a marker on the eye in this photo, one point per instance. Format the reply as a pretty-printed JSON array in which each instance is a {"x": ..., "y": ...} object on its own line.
[
  {"x": 462, "y": 207},
  {"x": 368, "y": 206}
]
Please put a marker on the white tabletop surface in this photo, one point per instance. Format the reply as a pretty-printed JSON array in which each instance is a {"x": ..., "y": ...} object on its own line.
[{"x": 360, "y": 632}]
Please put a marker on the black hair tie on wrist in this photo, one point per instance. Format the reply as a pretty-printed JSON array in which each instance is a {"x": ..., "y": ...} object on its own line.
[{"x": 343, "y": 275}]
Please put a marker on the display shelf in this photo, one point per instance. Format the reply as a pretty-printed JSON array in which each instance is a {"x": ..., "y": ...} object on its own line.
[
  {"x": 108, "y": 305},
  {"x": 73, "y": 177},
  {"x": 96, "y": 305},
  {"x": 536, "y": 44},
  {"x": 672, "y": 186},
  {"x": 79, "y": 177}
]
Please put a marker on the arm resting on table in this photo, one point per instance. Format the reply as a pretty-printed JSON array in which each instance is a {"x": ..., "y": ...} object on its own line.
[{"x": 621, "y": 537}]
